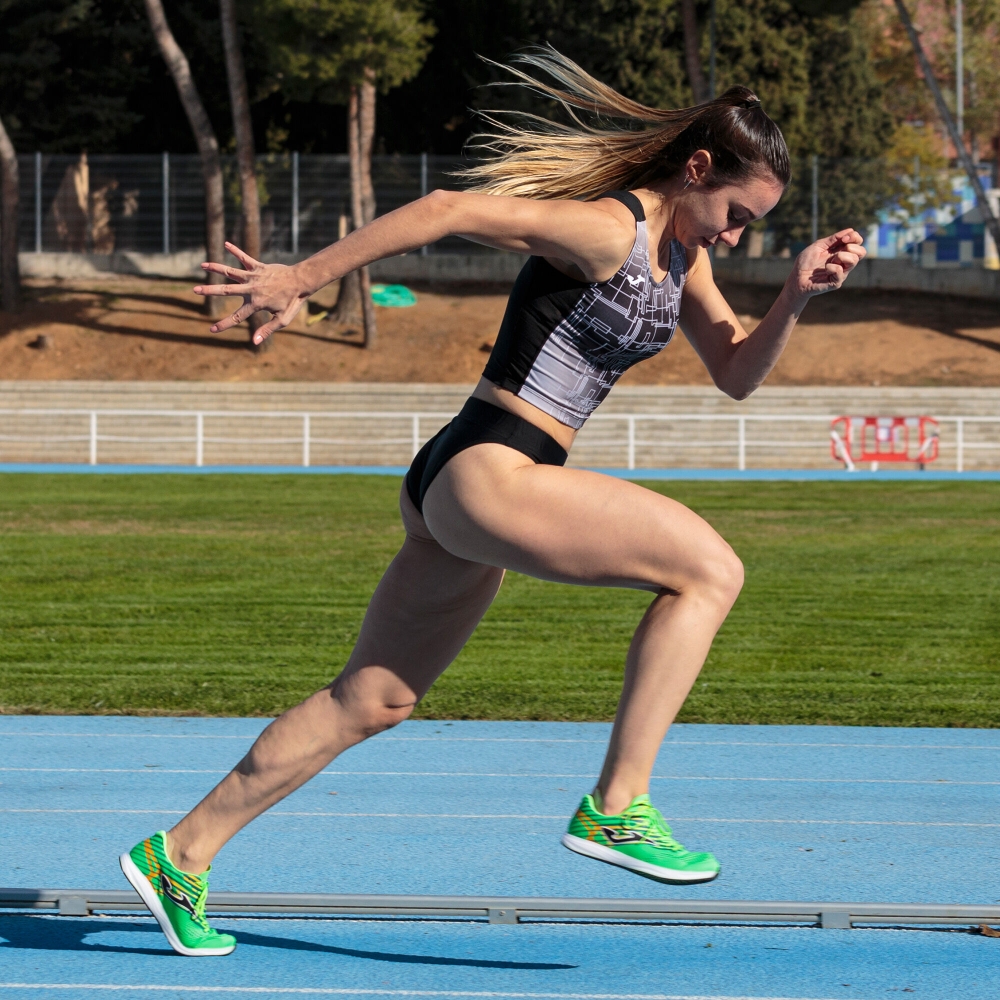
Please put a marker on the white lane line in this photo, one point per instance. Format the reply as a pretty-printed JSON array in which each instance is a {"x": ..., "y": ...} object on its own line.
[
  {"x": 525, "y": 739},
  {"x": 331, "y": 991},
  {"x": 559, "y": 816},
  {"x": 506, "y": 774}
]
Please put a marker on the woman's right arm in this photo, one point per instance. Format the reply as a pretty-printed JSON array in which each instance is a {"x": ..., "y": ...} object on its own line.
[{"x": 594, "y": 236}]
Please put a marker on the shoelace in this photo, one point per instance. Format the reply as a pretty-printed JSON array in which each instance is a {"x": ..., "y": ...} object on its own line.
[
  {"x": 199, "y": 907},
  {"x": 657, "y": 830}
]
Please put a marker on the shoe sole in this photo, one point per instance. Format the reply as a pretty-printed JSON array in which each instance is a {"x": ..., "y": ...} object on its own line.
[
  {"x": 612, "y": 857},
  {"x": 146, "y": 892}
]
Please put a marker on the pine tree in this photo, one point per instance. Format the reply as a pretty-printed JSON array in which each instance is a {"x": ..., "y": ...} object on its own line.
[{"x": 342, "y": 51}]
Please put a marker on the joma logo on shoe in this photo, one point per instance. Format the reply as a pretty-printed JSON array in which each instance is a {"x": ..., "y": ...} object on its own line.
[
  {"x": 619, "y": 837},
  {"x": 175, "y": 897}
]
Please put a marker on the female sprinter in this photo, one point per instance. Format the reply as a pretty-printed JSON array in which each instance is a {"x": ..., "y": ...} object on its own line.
[{"x": 617, "y": 218}]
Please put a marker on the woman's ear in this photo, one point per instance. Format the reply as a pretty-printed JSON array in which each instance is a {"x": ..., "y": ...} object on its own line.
[{"x": 698, "y": 166}]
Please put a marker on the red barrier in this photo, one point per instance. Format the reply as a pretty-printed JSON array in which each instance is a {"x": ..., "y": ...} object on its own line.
[{"x": 884, "y": 439}]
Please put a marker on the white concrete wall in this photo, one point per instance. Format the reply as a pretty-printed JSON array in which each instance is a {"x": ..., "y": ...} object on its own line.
[{"x": 343, "y": 436}]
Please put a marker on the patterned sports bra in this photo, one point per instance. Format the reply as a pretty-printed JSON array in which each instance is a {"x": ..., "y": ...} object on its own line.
[{"x": 564, "y": 343}]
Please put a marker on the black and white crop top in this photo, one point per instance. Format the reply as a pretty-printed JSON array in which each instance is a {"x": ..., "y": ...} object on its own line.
[{"x": 564, "y": 343}]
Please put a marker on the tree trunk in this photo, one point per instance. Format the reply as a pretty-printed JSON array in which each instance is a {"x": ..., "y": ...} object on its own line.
[
  {"x": 239, "y": 98},
  {"x": 366, "y": 141},
  {"x": 10, "y": 279},
  {"x": 355, "y": 288},
  {"x": 208, "y": 146},
  {"x": 362, "y": 191},
  {"x": 348, "y": 308},
  {"x": 692, "y": 54}
]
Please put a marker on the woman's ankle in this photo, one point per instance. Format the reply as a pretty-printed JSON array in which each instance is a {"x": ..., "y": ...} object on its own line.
[
  {"x": 612, "y": 802},
  {"x": 189, "y": 862}
]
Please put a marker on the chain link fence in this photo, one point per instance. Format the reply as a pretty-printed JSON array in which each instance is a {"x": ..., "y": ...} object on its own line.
[{"x": 154, "y": 204}]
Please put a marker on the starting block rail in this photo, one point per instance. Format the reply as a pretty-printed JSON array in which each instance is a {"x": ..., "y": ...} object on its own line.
[{"x": 513, "y": 909}]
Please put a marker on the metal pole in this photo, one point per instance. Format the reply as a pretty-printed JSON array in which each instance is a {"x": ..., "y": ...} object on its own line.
[
  {"x": 416, "y": 434},
  {"x": 960, "y": 445},
  {"x": 38, "y": 202},
  {"x": 815, "y": 198},
  {"x": 742, "y": 443},
  {"x": 166, "y": 203},
  {"x": 199, "y": 439},
  {"x": 977, "y": 185},
  {"x": 423, "y": 189},
  {"x": 305, "y": 440},
  {"x": 631, "y": 442},
  {"x": 93, "y": 437},
  {"x": 295, "y": 202},
  {"x": 711, "y": 51},
  {"x": 959, "y": 72}
]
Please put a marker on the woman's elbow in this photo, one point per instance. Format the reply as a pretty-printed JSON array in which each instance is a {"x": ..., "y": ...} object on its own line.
[{"x": 735, "y": 390}]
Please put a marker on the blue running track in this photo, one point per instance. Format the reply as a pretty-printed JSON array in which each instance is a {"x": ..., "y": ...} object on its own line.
[
  {"x": 759, "y": 475},
  {"x": 810, "y": 813}
]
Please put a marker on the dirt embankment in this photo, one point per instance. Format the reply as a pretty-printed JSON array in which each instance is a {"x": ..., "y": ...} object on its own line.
[{"x": 140, "y": 329}]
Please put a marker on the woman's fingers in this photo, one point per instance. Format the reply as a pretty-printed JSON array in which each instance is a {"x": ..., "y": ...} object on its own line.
[
  {"x": 244, "y": 258},
  {"x": 244, "y": 312},
  {"x": 230, "y": 272},
  {"x": 845, "y": 236},
  {"x": 240, "y": 290}
]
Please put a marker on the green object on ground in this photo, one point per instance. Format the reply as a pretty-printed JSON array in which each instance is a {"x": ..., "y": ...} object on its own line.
[
  {"x": 394, "y": 296},
  {"x": 866, "y": 603},
  {"x": 637, "y": 839},
  {"x": 175, "y": 898}
]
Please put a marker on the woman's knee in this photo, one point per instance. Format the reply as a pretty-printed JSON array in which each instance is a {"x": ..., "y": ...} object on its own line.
[
  {"x": 372, "y": 702},
  {"x": 712, "y": 570}
]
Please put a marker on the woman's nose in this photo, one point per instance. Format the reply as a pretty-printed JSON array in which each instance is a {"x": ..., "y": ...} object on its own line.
[{"x": 731, "y": 236}]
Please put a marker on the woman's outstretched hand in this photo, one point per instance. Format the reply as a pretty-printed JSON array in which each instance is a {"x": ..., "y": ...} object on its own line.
[
  {"x": 823, "y": 266},
  {"x": 261, "y": 286}
]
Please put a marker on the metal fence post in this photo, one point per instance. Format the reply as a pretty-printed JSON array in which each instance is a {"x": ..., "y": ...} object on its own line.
[
  {"x": 631, "y": 442},
  {"x": 166, "y": 203},
  {"x": 38, "y": 202},
  {"x": 815, "y": 198},
  {"x": 199, "y": 439},
  {"x": 423, "y": 189},
  {"x": 959, "y": 445},
  {"x": 93, "y": 437},
  {"x": 306, "y": 434},
  {"x": 415, "y": 429},
  {"x": 741, "y": 443},
  {"x": 295, "y": 202}
]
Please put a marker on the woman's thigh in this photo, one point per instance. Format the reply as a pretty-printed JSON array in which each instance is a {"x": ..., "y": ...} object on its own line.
[
  {"x": 490, "y": 504},
  {"x": 422, "y": 613}
]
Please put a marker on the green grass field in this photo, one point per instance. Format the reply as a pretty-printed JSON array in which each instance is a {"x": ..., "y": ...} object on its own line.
[{"x": 865, "y": 603}]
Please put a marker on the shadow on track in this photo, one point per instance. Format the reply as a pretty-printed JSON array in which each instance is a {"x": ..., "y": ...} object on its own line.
[{"x": 35, "y": 933}]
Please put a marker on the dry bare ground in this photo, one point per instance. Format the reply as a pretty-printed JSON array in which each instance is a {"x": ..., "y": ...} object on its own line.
[{"x": 141, "y": 329}]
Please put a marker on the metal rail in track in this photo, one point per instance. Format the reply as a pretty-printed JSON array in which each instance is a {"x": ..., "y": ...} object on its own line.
[{"x": 512, "y": 909}]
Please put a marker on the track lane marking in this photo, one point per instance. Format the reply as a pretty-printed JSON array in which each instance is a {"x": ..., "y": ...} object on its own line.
[
  {"x": 343, "y": 991},
  {"x": 503, "y": 774},
  {"x": 518, "y": 739},
  {"x": 560, "y": 816}
]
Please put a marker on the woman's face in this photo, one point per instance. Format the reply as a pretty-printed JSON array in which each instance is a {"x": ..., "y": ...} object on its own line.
[{"x": 705, "y": 216}]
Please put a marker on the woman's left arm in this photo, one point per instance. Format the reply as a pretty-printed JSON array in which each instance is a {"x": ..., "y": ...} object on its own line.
[{"x": 739, "y": 361}]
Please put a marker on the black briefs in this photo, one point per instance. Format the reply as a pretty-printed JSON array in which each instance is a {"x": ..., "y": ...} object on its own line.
[{"x": 479, "y": 423}]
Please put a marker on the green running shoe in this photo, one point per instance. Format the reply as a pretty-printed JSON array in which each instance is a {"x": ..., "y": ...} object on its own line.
[
  {"x": 175, "y": 898},
  {"x": 637, "y": 839}
]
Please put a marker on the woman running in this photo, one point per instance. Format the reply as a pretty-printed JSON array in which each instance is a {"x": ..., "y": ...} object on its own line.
[{"x": 618, "y": 218}]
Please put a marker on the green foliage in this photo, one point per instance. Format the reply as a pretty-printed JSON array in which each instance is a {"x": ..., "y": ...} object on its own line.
[
  {"x": 635, "y": 46},
  {"x": 865, "y": 603},
  {"x": 318, "y": 49},
  {"x": 64, "y": 68},
  {"x": 846, "y": 125}
]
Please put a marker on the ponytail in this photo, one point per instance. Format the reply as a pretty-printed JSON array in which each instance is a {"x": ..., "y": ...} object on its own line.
[{"x": 622, "y": 144}]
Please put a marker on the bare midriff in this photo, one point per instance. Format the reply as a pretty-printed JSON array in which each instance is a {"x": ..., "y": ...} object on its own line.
[{"x": 506, "y": 400}]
